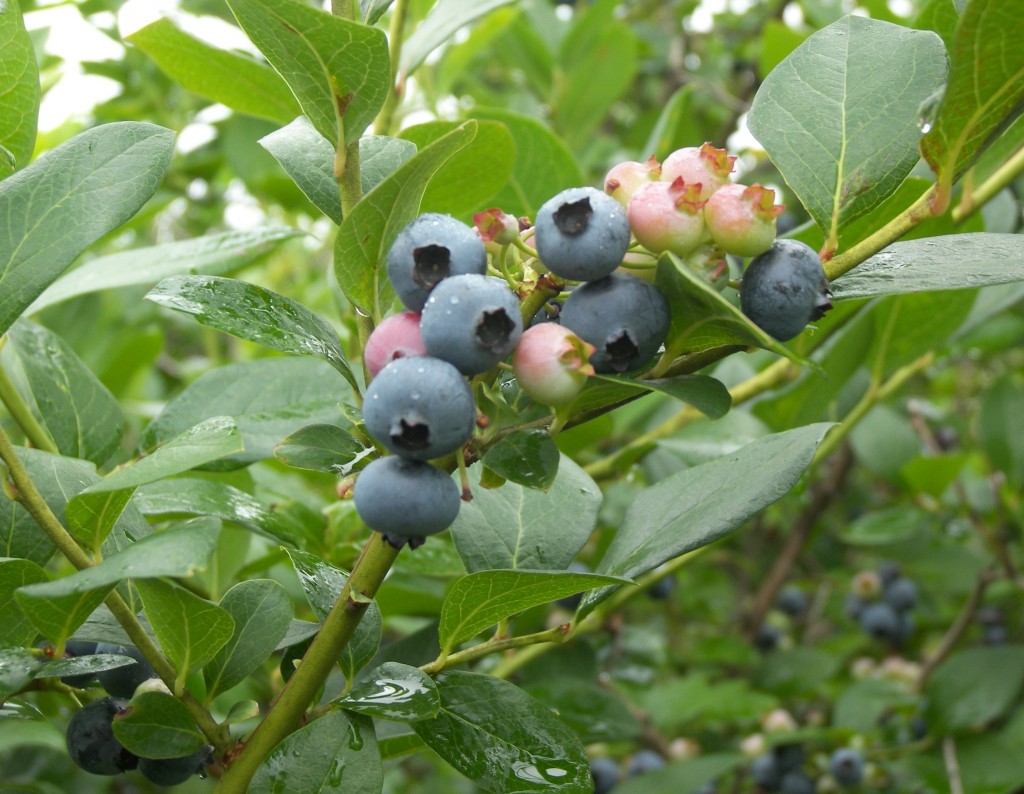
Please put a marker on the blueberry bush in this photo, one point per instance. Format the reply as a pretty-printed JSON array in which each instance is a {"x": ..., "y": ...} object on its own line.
[{"x": 407, "y": 396}]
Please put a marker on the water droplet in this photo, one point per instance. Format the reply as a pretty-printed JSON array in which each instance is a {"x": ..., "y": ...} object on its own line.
[{"x": 928, "y": 110}]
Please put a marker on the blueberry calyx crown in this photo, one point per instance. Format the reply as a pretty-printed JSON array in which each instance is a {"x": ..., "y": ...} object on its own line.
[{"x": 573, "y": 217}]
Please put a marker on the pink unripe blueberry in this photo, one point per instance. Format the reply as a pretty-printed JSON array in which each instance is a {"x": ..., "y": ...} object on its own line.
[
  {"x": 397, "y": 336},
  {"x": 552, "y": 363},
  {"x": 706, "y": 165},
  {"x": 741, "y": 219},
  {"x": 495, "y": 225},
  {"x": 667, "y": 216},
  {"x": 623, "y": 179}
]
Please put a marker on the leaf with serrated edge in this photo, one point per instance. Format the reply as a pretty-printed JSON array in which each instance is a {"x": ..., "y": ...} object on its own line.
[
  {"x": 253, "y": 313},
  {"x": 514, "y": 527},
  {"x": 262, "y": 612},
  {"x": 701, "y": 504},
  {"x": 69, "y": 198},
  {"x": 191, "y": 630},
  {"x": 837, "y": 125},
  {"x": 339, "y": 70},
  {"x": 361, "y": 246},
  {"x": 484, "y": 598},
  {"x": 235, "y": 80}
]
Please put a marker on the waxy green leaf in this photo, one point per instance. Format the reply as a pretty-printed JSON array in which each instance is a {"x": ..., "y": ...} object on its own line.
[
  {"x": 394, "y": 691},
  {"x": 362, "y": 243},
  {"x": 14, "y": 573},
  {"x": 514, "y": 527},
  {"x": 444, "y": 19},
  {"x": 19, "y": 90},
  {"x": 254, "y": 313},
  {"x": 235, "y": 80},
  {"x": 841, "y": 130},
  {"x": 81, "y": 415},
  {"x": 339, "y": 70},
  {"x": 69, "y": 198},
  {"x": 502, "y": 739},
  {"x": 17, "y": 667},
  {"x": 484, "y": 598},
  {"x": 526, "y": 457},
  {"x": 707, "y": 395},
  {"x": 327, "y": 448},
  {"x": 262, "y": 612},
  {"x": 157, "y": 725}
]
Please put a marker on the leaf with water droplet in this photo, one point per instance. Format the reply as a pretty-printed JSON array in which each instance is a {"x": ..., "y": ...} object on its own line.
[
  {"x": 394, "y": 691},
  {"x": 323, "y": 447},
  {"x": 255, "y": 314},
  {"x": 334, "y": 754}
]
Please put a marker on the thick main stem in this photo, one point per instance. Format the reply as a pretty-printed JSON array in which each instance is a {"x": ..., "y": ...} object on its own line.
[{"x": 286, "y": 714}]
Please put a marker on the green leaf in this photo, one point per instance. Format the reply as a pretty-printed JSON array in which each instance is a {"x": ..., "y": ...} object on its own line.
[
  {"x": 677, "y": 125},
  {"x": 526, "y": 457},
  {"x": 502, "y": 739},
  {"x": 82, "y": 417},
  {"x": 262, "y": 612},
  {"x": 254, "y": 313},
  {"x": 208, "y": 498},
  {"x": 362, "y": 243},
  {"x": 69, "y": 198},
  {"x": 339, "y": 70},
  {"x": 473, "y": 175},
  {"x": 157, "y": 725},
  {"x": 961, "y": 261},
  {"x": 1002, "y": 410},
  {"x": 985, "y": 88},
  {"x": 544, "y": 165},
  {"x": 308, "y": 158},
  {"x": 484, "y": 598},
  {"x": 594, "y": 712},
  {"x": 82, "y": 665},
  {"x": 373, "y": 10},
  {"x": 334, "y": 754},
  {"x": 19, "y": 732},
  {"x": 268, "y": 398},
  {"x": 19, "y": 88},
  {"x": 684, "y": 777},
  {"x": 513, "y": 527},
  {"x": 57, "y": 616},
  {"x": 323, "y": 583},
  {"x": 706, "y": 394},
  {"x": 16, "y": 668},
  {"x": 215, "y": 254},
  {"x": 909, "y": 326},
  {"x": 445, "y": 18},
  {"x": 701, "y": 319},
  {"x": 394, "y": 691},
  {"x": 599, "y": 57},
  {"x": 975, "y": 686},
  {"x": 14, "y": 573},
  {"x": 326, "y": 448},
  {"x": 191, "y": 630},
  {"x": 886, "y": 526},
  {"x": 837, "y": 125},
  {"x": 701, "y": 504},
  {"x": 235, "y": 80}
]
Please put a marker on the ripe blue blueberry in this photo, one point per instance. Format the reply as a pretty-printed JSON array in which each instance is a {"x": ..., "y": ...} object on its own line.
[
  {"x": 766, "y": 773},
  {"x": 663, "y": 588},
  {"x": 428, "y": 250},
  {"x": 785, "y": 288},
  {"x": 881, "y": 621},
  {"x": 420, "y": 408},
  {"x": 173, "y": 771},
  {"x": 406, "y": 500},
  {"x": 91, "y": 741},
  {"x": 767, "y": 637},
  {"x": 846, "y": 766},
  {"x": 472, "y": 322},
  {"x": 121, "y": 682},
  {"x": 624, "y": 318},
  {"x": 605, "y": 772},
  {"x": 796, "y": 783},
  {"x": 642, "y": 762},
  {"x": 789, "y": 757},
  {"x": 901, "y": 594},
  {"x": 792, "y": 601},
  {"x": 581, "y": 234}
]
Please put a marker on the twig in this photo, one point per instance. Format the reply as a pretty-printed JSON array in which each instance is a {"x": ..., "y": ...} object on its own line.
[{"x": 956, "y": 784}]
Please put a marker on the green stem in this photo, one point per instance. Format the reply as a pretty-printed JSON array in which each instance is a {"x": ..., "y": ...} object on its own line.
[
  {"x": 20, "y": 413},
  {"x": 984, "y": 193},
  {"x": 302, "y": 688},
  {"x": 396, "y": 38},
  {"x": 443, "y": 662},
  {"x": 30, "y": 498}
]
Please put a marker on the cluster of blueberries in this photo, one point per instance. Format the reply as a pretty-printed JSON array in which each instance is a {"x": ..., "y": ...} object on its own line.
[
  {"x": 460, "y": 322},
  {"x": 778, "y": 771},
  {"x": 793, "y": 604},
  {"x": 90, "y": 734},
  {"x": 882, "y": 601}
]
